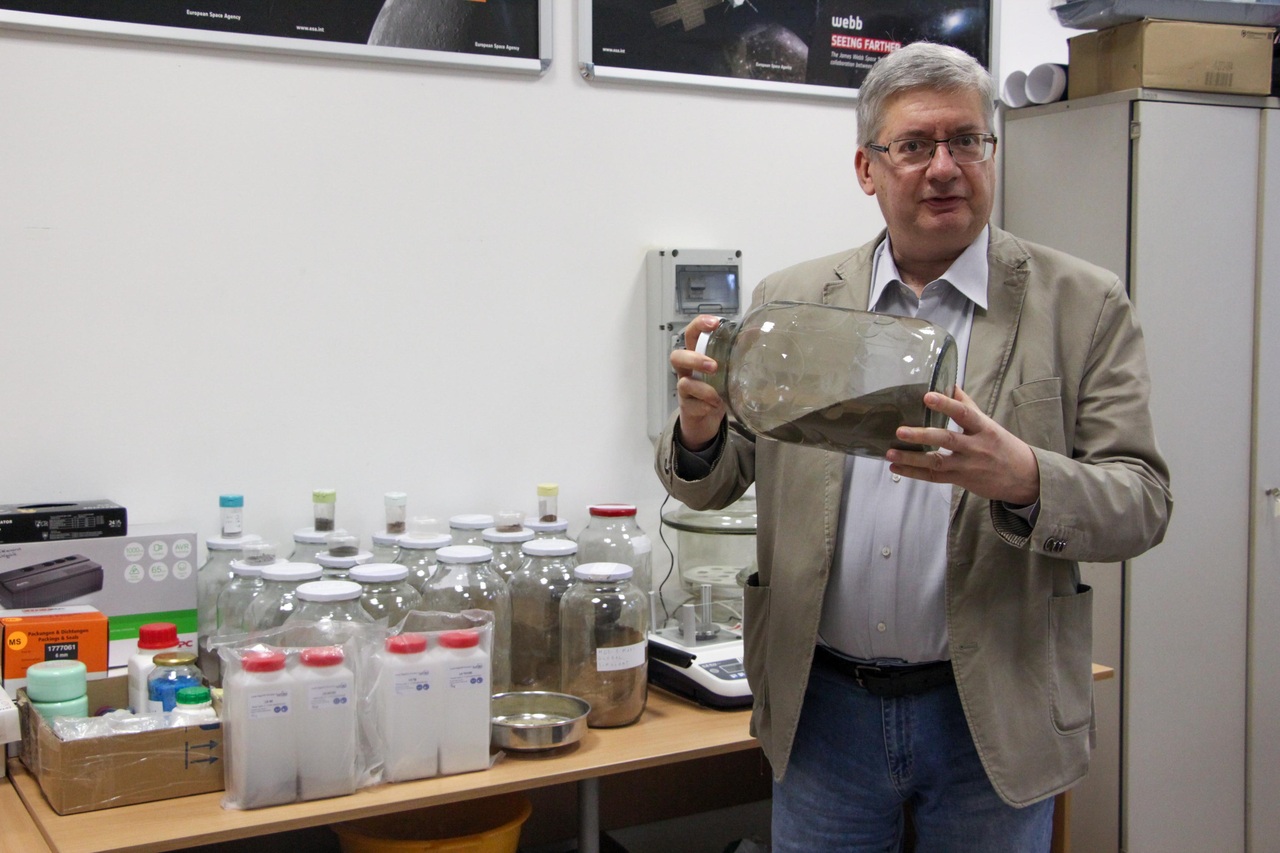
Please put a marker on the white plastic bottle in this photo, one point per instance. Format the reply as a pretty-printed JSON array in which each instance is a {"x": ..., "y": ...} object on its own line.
[
  {"x": 464, "y": 670},
  {"x": 194, "y": 707},
  {"x": 258, "y": 717},
  {"x": 326, "y": 723},
  {"x": 153, "y": 638},
  {"x": 407, "y": 697}
]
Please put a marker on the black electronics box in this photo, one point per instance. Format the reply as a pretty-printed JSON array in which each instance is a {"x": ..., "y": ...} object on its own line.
[
  {"x": 53, "y": 522},
  {"x": 50, "y": 582}
]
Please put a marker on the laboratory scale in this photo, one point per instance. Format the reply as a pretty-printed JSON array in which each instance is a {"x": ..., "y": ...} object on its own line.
[{"x": 700, "y": 659}]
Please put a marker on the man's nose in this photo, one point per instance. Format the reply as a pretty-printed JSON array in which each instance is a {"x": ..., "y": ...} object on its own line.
[{"x": 942, "y": 166}]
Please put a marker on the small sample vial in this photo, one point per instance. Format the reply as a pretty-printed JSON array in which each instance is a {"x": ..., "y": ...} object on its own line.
[
  {"x": 395, "y": 503},
  {"x": 153, "y": 638},
  {"x": 406, "y": 695},
  {"x": 194, "y": 706},
  {"x": 172, "y": 672},
  {"x": 258, "y": 719},
  {"x": 464, "y": 671},
  {"x": 509, "y": 522},
  {"x": 324, "y": 503},
  {"x": 325, "y": 722},
  {"x": 342, "y": 544},
  {"x": 232, "y": 509},
  {"x": 548, "y": 497}
]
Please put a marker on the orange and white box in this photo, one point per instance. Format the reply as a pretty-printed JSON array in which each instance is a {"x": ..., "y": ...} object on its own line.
[{"x": 31, "y": 635}]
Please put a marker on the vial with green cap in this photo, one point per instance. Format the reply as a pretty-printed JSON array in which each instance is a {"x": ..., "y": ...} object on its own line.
[
  {"x": 324, "y": 502},
  {"x": 194, "y": 706}
]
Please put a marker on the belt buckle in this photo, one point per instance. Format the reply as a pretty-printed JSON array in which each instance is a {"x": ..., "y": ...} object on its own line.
[{"x": 861, "y": 669}]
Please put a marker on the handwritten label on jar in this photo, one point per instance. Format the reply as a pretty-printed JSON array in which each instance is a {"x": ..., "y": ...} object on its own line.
[
  {"x": 470, "y": 675},
  {"x": 324, "y": 696},
  {"x": 268, "y": 703},
  {"x": 409, "y": 683},
  {"x": 621, "y": 657}
]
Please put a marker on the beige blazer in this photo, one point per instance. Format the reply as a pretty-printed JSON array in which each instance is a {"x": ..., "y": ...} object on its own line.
[{"x": 1058, "y": 360}]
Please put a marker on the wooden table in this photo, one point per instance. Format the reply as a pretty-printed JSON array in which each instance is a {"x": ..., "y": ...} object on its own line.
[{"x": 672, "y": 730}]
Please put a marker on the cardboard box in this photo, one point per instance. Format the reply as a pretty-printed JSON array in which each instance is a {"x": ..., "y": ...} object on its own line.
[
  {"x": 1162, "y": 54},
  {"x": 51, "y": 633},
  {"x": 99, "y": 773},
  {"x": 147, "y": 576},
  {"x": 50, "y": 522}
]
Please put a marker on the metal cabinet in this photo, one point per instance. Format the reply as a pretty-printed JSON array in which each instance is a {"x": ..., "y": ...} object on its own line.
[{"x": 1171, "y": 191}]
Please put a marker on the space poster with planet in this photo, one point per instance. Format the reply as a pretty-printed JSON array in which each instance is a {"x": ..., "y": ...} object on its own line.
[
  {"x": 500, "y": 29},
  {"x": 823, "y": 43}
]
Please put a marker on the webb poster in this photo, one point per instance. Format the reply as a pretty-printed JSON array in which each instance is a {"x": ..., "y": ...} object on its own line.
[
  {"x": 401, "y": 29},
  {"x": 824, "y": 43}
]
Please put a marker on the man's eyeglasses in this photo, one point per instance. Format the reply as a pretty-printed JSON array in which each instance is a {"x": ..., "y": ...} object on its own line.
[{"x": 917, "y": 153}]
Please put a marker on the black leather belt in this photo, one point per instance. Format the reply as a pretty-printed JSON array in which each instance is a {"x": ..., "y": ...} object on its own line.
[{"x": 881, "y": 680}]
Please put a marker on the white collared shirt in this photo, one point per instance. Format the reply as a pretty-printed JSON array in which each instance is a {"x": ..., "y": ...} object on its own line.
[{"x": 885, "y": 599}]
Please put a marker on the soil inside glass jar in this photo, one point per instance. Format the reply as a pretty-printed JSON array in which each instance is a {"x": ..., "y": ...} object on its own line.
[{"x": 863, "y": 425}]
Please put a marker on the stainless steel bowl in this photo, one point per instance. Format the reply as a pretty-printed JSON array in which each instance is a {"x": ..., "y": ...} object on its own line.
[{"x": 537, "y": 719}]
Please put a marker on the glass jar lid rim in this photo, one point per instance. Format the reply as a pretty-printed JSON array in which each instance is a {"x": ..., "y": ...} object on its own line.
[
  {"x": 291, "y": 571},
  {"x": 471, "y": 521},
  {"x": 464, "y": 554},
  {"x": 603, "y": 571},
  {"x": 379, "y": 572},
  {"x": 612, "y": 510},
  {"x": 550, "y": 547},
  {"x": 329, "y": 591}
]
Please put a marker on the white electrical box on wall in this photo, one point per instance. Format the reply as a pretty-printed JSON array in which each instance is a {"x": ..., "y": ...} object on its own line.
[{"x": 683, "y": 283}]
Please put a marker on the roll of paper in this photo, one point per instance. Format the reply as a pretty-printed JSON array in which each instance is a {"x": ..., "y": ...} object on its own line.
[
  {"x": 1015, "y": 89},
  {"x": 1047, "y": 83}
]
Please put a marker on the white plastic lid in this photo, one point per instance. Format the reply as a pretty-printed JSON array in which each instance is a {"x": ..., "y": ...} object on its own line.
[
  {"x": 329, "y": 561},
  {"x": 549, "y": 548},
  {"x": 241, "y": 569},
  {"x": 701, "y": 348},
  {"x": 395, "y": 498},
  {"x": 424, "y": 541},
  {"x": 228, "y": 543},
  {"x": 379, "y": 572},
  {"x": 603, "y": 571},
  {"x": 329, "y": 591},
  {"x": 472, "y": 521},
  {"x": 464, "y": 554},
  {"x": 560, "y": 525},
  {"x": 311, "y": 536},
  {"x": 291, "y": 572},
  {"x": 386, "y": 539},
  {"x": 493, "y": 534}
]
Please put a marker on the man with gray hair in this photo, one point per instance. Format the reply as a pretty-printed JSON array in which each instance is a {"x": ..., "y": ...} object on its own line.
[{"x": 917, "y": 634}]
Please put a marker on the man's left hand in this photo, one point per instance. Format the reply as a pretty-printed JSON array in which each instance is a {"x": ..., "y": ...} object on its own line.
[{"x": 984, "y": 457}]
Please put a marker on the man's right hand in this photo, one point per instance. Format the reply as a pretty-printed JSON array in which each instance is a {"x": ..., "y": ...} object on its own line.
[{"x": 701, "y": 409}]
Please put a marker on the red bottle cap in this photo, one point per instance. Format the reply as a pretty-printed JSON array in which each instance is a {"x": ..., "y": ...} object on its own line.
[
  {"x": 612, "y": 510},
  {"x": 158, "y": 635},
  {"x": 460, "y": 639},
  {"x": 262, "y": 661},
  {"x": 407, "y": 644},
  {"x": 322, "y": 656}
]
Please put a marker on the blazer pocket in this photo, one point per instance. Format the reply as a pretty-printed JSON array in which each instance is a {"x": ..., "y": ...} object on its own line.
[
  {"x": 1071, "y": 660},
  {"x": 755, "y": 622},
  {"x": 1037, "y": 412}
]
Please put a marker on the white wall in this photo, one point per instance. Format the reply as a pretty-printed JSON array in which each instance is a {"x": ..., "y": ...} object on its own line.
[{"x": 233, "y": 271}]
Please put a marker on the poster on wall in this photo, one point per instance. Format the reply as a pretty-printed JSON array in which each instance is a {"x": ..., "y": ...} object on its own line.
[
  {"x": 500, "y": 34},
  {"x": 821, "y": 47}
]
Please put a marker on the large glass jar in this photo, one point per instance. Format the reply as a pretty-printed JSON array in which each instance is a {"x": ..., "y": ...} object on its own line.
[
  {"x": 468, "y": 528},
  {"x": 830, "y": 377},
  {"x": 211, "y": 578},
  {"x": 536, "y": 589},
  {"x": 233, "y": 603},
  {"x": 418, "y": 555},
  {"x": 613, "y": 536},
  {"x": 604, "y": 645},
  {"x": 275, "y": 601},
  {"x": 386, "y": 547},
  {"x": 466, "y": 580},
  {"x": 558, "y": 529},
  {"x": 505, "y": 545},
  {"x": 385, "y": 593},
  {"x": 338, "y": 601},
  {"x": 307, "y": 543}
]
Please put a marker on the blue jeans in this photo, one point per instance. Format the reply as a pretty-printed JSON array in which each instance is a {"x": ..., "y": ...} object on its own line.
[{"x": 859, "y": 758}]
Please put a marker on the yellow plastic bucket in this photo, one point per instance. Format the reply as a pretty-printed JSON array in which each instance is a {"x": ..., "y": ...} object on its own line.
[{"x": 490, "y": 825}]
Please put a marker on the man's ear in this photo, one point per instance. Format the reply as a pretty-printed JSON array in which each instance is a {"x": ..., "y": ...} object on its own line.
[{"x": 862, "y": 166}]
